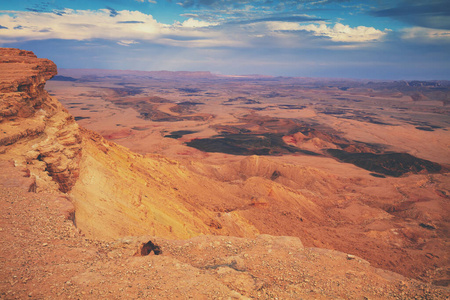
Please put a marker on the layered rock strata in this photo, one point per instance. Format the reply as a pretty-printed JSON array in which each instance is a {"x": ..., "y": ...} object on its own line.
[{"x": 46, "y": 138}]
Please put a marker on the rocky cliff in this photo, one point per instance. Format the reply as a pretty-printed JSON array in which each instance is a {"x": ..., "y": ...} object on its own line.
[{"x": 45, "y": 137}]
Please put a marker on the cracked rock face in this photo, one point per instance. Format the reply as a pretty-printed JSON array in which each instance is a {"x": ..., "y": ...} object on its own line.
[{"x": 35, "y": 130}]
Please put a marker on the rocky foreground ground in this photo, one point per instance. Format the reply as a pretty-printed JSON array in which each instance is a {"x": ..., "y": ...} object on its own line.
[{"x": 43, "y": 256}]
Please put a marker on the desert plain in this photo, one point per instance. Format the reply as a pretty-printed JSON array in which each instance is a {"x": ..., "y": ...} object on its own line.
[
  {"x": 241, "y": 127},
  {"x": 222, "y": 186}
]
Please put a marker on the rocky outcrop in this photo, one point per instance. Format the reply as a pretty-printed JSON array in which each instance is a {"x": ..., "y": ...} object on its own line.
[{"x": 35, "y": 130}]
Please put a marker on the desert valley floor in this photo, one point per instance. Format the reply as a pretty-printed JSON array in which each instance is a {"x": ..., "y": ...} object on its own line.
[{"x": 361, "y": 135}]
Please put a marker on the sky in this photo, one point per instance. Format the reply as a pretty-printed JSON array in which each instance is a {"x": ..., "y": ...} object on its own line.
[{"x": 378, "y": 39}]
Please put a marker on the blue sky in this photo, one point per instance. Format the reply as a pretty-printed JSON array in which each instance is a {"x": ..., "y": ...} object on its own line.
[{"x": 380, "y": 39}]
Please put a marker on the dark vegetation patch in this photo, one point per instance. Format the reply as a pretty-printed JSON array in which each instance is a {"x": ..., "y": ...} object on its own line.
[
  {"x": 124, "y": 83},
  {"x": 256, "y": 108},
  {"x": 367, "y": 119},
  {"x": 179, "y": 134},
  {"x": 63, "y": 78},
  {"x": 246, "y": 144},
  {"x": 185, "y": 107},
  {"x": 81, "y": 118},
  {"x": 427, "y": 226},
  {"x": 421, "y": 125},
  {"x": 158, "y": 116},
  {"x": 138, "y": 128},
  {"x": 273, "y": 95},
  {"x": 423, "y": 128},
  {"x": 189, "y": 103},
  {"x": 127, "y": 91},
  {"x": 91, "y": 95},
  {"x": 392, "y": 164},
  {"x": 189, "y": 90},
  {"x": 334, "y": 112},
  {"x": 241, "y": 100},
  {"x": 377, "y": 175},
  {"x": 157, "y": 99},
  {"x": 354, "y": 115},
  {"x": 148, "y": 107},
  {"x": 251, "y": 101},
  {"x": 291, "y": 106}
]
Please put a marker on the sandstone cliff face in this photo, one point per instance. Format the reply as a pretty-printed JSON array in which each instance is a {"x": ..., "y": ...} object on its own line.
[{"x": 45, "y": 136}]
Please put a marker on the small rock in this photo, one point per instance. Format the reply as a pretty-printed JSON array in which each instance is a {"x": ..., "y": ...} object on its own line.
[{"x": 350, "y": 256}]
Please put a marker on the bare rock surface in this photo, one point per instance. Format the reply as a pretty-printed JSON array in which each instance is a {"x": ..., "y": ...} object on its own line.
[
  {"x": 45, "y": 257},
  {"x": 41, "y": 129}
]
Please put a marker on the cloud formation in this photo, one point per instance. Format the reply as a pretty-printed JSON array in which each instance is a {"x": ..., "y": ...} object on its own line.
[
  {"x": 429, "y": 14},
  {"x": 79, "y": 25},
  {"x": 344, "y": 33},
  {"x": 278, "y": 18},
  {"x": 126, "y": 25},
  {"x": 426, "y": 35},
  {"x": 220, "y": 4}
]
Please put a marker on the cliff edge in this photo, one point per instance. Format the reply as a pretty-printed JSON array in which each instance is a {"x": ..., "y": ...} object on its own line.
[{"x": 45, "y": 136}]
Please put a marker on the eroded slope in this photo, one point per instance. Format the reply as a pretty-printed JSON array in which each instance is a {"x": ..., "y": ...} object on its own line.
[{"x": 44, "y": 256}]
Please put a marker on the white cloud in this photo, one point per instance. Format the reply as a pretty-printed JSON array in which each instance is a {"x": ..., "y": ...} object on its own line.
[
  {"x": 98, "y": 24},
  {"x": 127, "y": 42},
  {"x": 428, "y": 35},
  {"x": 193, "y": 23},
  {"x": 344, "y": 33},
  {"x": 130, "y": 27},
  {"x": 280, "y": 26},
  {"x": 79, "y": 25}
]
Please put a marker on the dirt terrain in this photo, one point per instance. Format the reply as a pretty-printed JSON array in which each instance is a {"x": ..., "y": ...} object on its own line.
[
  {"x": 45, "y": 256},
  {"x": 246, "y": 187},
  {"x": 281, "y": 147}
]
